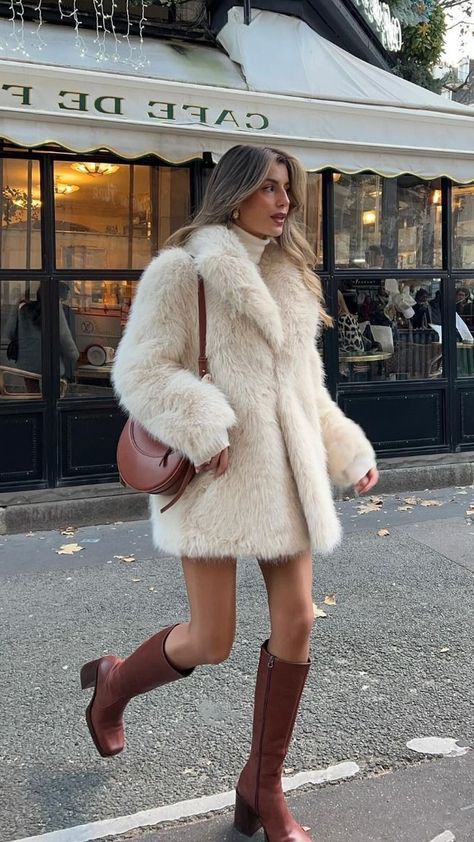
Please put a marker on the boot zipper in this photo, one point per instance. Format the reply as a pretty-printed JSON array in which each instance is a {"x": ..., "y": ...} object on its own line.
[{"x": 265, "y": 705}]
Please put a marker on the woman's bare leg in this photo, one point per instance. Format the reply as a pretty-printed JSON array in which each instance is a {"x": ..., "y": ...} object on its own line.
[
  {"x": 208, "y": 637},
  {"x": 290, "y": 602}
]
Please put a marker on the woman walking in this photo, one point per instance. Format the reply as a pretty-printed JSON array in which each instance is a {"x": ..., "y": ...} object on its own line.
[{"x": 266, "y": 440}]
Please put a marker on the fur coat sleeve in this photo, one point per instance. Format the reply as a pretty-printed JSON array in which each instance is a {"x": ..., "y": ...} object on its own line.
[
  {"x": 191, "y": 415},
  {"x": 350, "y": 454}
]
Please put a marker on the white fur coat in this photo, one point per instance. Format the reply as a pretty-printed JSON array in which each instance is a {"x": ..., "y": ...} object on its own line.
[{"x": 267, "y": 401}]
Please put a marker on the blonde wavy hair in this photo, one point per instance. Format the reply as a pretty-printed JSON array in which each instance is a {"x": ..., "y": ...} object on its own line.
[{"x": 239, "y": 173}]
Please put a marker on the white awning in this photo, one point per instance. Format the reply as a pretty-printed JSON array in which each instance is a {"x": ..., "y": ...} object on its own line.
[{"x": 177, "y": 100}]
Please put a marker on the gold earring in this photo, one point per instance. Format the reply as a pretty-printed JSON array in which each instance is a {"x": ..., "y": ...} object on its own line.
[{"x": 235, "y": 213}]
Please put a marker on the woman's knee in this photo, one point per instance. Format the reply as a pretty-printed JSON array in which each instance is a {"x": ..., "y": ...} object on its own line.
[
  {"x": 294, "y": 625},
  {"x": 213, "y": 647}
]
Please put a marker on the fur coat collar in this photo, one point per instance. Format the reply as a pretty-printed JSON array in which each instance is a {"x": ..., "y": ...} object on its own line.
[{"x": 222, "y": 259}]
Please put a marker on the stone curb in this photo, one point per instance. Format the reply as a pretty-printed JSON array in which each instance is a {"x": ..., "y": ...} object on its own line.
[{"x": 97, "y": 504}]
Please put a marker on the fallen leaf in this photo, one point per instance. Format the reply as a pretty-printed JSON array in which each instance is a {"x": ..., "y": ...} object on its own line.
[
  {"x": 305, "y": 828},
  {"x": 289, "y": 770},
  {"x": 365, "y": 508},
  {"x": 376, "y": 500},
  {"x": 405, "y": 508},
  {"x": 318, "y": 612},
  {"x": 444, "y": 649},
  {"x": 128, "y": 559},
  {"x": 427, "y": 503},
  {"x": 69, "y": 549},
  {"x": 330, "y": 599},
  {"x": 382, "y": 533},
  {"x": 152, "y": 588},
  {"x": 136, "y": 580},
  {"x": 470, "y": 510},
  {"x": 68, "y": 531},
  {"x": 411, "y": 501}
]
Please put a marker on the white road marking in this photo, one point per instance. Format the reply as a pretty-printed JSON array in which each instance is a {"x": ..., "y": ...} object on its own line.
[
  {"x": 184, "y": 809},
  {"x": 437, "y": 745},
  {"x": 447, "y": 836}
]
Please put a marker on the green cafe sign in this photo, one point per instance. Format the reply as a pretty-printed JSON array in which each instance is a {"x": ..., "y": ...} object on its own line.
[{"x": 27, "y": 97}]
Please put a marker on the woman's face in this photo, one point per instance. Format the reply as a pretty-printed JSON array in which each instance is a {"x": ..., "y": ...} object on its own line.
[{"x": 264, "y": 213}]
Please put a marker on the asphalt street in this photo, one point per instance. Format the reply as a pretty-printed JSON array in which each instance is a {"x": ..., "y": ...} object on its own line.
[{"x": 392, "y": 662}]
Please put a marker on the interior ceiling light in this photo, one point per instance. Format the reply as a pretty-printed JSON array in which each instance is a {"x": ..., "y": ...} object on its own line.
[
  {"x": 369, "y": 217},
  {"x": 88, "y": 168},
  {"x": 62, "y": 189}
]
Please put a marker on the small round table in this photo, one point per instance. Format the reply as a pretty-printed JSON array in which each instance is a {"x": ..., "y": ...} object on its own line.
[{"x": 358, "y": 359}]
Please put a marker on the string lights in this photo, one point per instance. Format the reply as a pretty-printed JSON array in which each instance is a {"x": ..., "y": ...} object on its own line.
[{"x": 109, "y": 45}]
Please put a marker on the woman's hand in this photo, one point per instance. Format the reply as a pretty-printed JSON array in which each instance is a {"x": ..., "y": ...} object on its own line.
[
  {"x": 366, "y": 483},
  {"x": 219, "y": 463}
]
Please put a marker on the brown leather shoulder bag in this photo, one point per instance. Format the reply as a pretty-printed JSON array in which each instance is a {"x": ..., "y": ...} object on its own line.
[{"x": 148, "y": 464}]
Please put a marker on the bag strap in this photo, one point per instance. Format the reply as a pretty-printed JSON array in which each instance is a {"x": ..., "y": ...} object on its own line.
[{"x": 203, "y": 365}]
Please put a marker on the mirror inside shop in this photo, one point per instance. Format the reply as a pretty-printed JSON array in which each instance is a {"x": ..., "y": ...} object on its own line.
[{"x": 92, "y": 315}]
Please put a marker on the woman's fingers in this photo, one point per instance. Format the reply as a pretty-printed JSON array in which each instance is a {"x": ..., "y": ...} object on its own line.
[
  {"x": 219, "y": 462},
  {"x": 369, "y": 481},
  {"x": 223, "y": 462}
]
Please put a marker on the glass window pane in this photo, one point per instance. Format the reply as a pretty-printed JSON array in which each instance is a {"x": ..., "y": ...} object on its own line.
[
  {"x": 387, "y": 222},
  {"x": 313, "y": 215},
  {"x": 107, "y": 214},
  {"x": 95, "y": 313},
  {"x": 173, "y": 201},
  {"x": 465, "y": 327},
  {"x": 20, "y": 340},
  {"x": 20, "y": 203},
  {"x": 390, "y": 329},
  {"x": 463, "y": 226}
]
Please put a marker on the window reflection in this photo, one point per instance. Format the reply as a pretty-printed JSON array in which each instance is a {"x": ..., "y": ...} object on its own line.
[
  {"x": 463, "y": 226},
  {"x": 96, "y": 315},
  {"x": 20, "y": 340},
  {"x": 387, "y": 222},
  {"x": 116, "y": 216},
  {"x": 389, "y": 329},
  {"x": 20, "y": 213},
  {"x": 313, "y": 219},
  {"x": 465, "y": 327}
]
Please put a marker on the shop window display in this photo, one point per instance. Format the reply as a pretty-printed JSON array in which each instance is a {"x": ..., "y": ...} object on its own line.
[
  {"x": 463, "y": 226},
  {"x": 465, "y": 327},
  {"x": 389, "y": 223},
  {"x": 96, "y": 315},
  {"x": 115, "y": 216},
  {"x": 390, "y": 329},
  {"x": 20, "y": 214}
]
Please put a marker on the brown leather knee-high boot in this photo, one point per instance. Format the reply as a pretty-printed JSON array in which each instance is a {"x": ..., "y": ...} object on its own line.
[
  {"x": 116, "y": 681},
  {"x": 259, "y": 798}
]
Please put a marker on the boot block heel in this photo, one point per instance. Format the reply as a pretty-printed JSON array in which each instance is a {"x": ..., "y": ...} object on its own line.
[
  {"x": 246, "y": 820},
  {"x": 89, "y": 674}
]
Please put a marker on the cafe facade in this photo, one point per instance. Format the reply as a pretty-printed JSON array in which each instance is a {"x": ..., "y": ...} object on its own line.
[{"x": 107, "y": 150}]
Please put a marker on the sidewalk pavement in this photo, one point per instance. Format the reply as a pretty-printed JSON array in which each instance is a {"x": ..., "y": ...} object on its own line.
[
  {"x": 81, "y": 505},
  {"x": 392, "y": 661},
  {"x": 430, "y": 802}
]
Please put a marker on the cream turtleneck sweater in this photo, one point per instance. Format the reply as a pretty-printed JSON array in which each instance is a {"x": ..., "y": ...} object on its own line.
[{"x": 255, "y": 246}]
